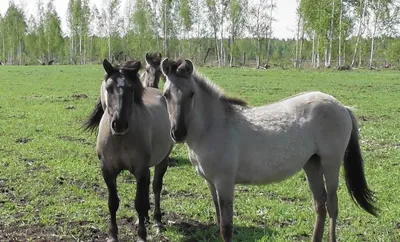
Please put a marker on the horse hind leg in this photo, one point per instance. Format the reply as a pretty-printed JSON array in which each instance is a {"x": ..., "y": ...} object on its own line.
[
  {"x": 159, "y": 173},
  {"x": 113, "y": 203},
  {"x": 314, "y": 173},
  {"x": 331, "y": 168}
]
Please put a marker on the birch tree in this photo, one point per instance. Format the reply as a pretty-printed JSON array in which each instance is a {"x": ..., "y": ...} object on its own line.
[
  {"x": 258, "y": 26},
  {"x": 214, "y": 20},
  {"x": 237, "y": 17}
]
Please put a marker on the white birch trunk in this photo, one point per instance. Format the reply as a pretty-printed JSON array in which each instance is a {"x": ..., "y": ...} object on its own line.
[
  {"x": 313, "y": 50},
  {"x": 328, "y": 63},
  {"x": 340, "y": 34},
  {"x": 362, "y": 21},
  {"x": 371, "y": 58}
]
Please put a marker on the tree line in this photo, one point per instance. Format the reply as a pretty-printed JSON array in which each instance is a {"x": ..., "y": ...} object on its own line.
[{"x": 329, "y": 33}]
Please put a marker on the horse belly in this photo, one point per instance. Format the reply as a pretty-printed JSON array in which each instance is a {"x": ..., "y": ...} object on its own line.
[
  {"x": 158, "y": 154},
  {"x": 270, "y": 170}
]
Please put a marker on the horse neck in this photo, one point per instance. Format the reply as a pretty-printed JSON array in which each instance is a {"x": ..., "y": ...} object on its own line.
[{"x": 208, "y": 116}]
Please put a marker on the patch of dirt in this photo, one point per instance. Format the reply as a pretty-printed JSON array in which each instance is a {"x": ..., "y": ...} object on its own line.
[
  {"x": 51, "y": 233},
  {"x": 18, "y": 116},
  {"x": 301, "y": 237},
  {"x": 187, "y": 227},
  {"x": 181, "y": 193},
  {"x": 291, "y": 200},
  {"x": 80, "y": 96},
  {"x": 74, "y": 139},
  {"x": 286, "y": 223},
  {"x": 23, "y": 140}
]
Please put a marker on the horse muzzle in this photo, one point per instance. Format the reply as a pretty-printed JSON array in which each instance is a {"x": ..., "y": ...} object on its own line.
[{"x": 119, "y": 127}]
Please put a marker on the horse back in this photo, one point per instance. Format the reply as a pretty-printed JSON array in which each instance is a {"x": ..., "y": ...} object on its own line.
[{"x": 276, "y": 140}]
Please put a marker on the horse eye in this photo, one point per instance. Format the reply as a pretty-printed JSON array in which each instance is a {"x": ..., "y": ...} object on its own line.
[
  {"x": 109, "y": 89},
  {"x": 191, "y": 94}
]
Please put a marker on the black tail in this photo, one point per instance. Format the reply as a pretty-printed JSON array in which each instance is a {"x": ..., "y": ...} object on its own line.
[
  {"x": 354, "y": 172},
  {"x": 93, "y": 121}
]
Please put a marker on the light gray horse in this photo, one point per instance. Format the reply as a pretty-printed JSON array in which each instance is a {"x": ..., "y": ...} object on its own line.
[
  {"x": 133, "y": 135},
  {"x": 230, "y": 143}
]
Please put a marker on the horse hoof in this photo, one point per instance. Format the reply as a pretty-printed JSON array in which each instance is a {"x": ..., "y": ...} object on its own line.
[
  {"x": 159, "y": 228},
  {"x": 146, "y": 221},
  {"x": 112, "y": 240},
  {"x": 140, "y": 240}
]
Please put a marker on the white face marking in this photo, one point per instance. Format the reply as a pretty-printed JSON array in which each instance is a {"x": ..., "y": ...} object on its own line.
[{"x": 120, "y": 82}]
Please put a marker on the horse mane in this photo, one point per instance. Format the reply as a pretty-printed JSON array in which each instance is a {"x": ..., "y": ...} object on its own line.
[
  {"x": 215, "y": 91},
  {"x": 92, "y": 123}
]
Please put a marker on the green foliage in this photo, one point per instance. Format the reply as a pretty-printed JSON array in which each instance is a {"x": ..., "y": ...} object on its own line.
[
  {"x": 185, "y": 14},
  {"x": 189, "y": 28},
  {"x": 13, "y": 28}
]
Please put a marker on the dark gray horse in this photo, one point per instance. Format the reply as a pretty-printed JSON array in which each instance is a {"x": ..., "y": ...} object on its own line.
[{"x": 133, "y": 135}]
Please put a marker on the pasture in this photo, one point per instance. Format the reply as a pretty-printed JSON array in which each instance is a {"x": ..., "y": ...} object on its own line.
[{"x": 51, "y": 187}]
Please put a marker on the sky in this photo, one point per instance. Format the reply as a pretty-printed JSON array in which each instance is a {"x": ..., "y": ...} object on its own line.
[{"x": 284, "y": 14}]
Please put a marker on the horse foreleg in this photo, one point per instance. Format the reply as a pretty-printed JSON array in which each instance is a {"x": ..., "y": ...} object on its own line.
[
  {"x": 113, "y": 203},
  {"x": 159, "y": 172},
  {"x": 225, "y": 195},
  {"x": 142, "y": 203},
  {"x": 215, "y": 200}
]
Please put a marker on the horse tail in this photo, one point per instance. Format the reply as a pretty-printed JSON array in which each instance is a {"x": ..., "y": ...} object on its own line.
[
  {"x": 354, "y": 172},
  {"x": 94, "y": 119}
]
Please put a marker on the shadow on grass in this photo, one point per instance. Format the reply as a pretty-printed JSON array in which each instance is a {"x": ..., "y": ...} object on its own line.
[
  {"x": 193, "y": 230},
  {"x": 177, "y": 162}
]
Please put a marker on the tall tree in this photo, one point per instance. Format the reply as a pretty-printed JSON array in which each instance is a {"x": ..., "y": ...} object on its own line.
[
  {"x": 214, "y": 20},
  {"x": 271, "y": 6},
  {"x": 237, "y": 17},
  {"x": 142, "y": 28},
  {"x": 15, "y": 30},
  {"x": 258, "y": 25},
  {"x": 112, "y": 25},
  {"x": 52, "y": 32}
]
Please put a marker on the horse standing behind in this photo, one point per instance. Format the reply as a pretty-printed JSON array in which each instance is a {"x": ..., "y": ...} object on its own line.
[
  {"x": 229, "y": 143},
  {"x": 133, "y": 135},
  {"x": 151, "y": 76}
]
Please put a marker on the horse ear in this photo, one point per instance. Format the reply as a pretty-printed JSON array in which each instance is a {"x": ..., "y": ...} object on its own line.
[
  {"x": 136, "y": 66},
  {"x": 185, "y": 67},
  {"x": 165, "y": 66},
  {"x": 108, "y": 67},
  {"x": 159, "y": 55},
  {"x": 189, "y": 66},
  {"x": 148, "y": 58}
]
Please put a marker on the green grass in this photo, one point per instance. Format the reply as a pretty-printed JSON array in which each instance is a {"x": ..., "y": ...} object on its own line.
[{"x": 51, "y": 187}]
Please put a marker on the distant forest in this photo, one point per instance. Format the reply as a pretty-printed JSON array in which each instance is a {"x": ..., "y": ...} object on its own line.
[{"x": 329, "y": 33}]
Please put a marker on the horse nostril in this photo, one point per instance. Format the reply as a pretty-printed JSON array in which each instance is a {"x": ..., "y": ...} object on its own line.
[{"x": 114, "y": 125}]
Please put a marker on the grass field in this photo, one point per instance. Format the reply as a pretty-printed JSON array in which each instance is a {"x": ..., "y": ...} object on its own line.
[{"x": 51, "y": 188}]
